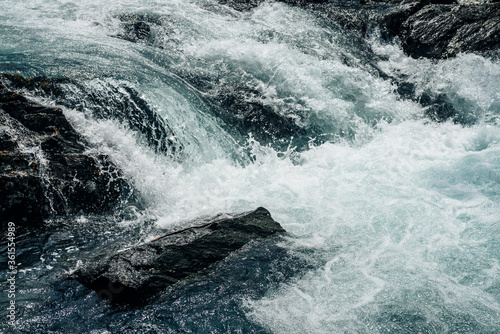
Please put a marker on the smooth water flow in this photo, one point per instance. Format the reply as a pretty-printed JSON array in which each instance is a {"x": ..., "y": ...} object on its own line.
[{"x": 394, "y": 217}]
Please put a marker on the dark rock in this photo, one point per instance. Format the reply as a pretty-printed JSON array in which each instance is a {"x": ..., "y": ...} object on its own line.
[
  {"x": 44, "y": 170},
  {"x": 441, "y": 107},
  {"x": 482, "y": 35},
  {"x": 136, "y": 31},
  {"x": 135, "y": 274},
  {"x": 406, "y": 90},
  {"x": 438, "y": 108},
  {"x": 104, "y": 100},
  {"x": 438, "y": 29},
  {"x": 427, "y": 33},
  {"x": 390, "y": 23}
]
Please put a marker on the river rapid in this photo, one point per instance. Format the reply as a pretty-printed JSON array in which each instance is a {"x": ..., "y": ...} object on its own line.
[{"x": 393, "y": 218}]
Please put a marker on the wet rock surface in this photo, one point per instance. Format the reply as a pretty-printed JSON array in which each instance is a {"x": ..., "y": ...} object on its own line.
[
  {"x": 107, "y": 100},
  {"x": 135, "y": 274},
  {"x": 243, "y": 109},
  {"x": 441, "y": 31},
  {"x": 44, "y": 167}
]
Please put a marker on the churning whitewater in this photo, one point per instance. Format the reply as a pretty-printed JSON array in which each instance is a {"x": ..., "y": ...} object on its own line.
[{"x": 393, "y": 218}]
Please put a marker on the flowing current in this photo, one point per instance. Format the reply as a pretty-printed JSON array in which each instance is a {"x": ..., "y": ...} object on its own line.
[{"x": 393, "y": 219}]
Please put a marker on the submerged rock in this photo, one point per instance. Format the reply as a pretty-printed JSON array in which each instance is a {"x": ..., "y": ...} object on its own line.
[
  {"x": 44, "y": 170},
  {"x": 243, "y": 109},
  {"x": 140, "y": 272},
  {"x": 138, "y": 27}
]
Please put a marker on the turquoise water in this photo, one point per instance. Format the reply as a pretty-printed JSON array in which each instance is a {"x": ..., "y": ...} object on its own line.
[{"x": 393, "y": 219}]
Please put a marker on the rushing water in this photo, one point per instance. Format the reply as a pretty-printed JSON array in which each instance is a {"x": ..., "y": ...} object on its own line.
[{"x": 394, "y": 220}]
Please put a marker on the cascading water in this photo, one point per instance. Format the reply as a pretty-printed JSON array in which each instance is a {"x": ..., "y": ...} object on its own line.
[{"x": 393, "y": 218}]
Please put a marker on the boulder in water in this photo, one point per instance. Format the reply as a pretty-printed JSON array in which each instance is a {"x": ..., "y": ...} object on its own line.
[
  {"x": 138, "y": 27},
  {"x": 243, "y": 109},
  {"x": 132, "y": 275}
]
